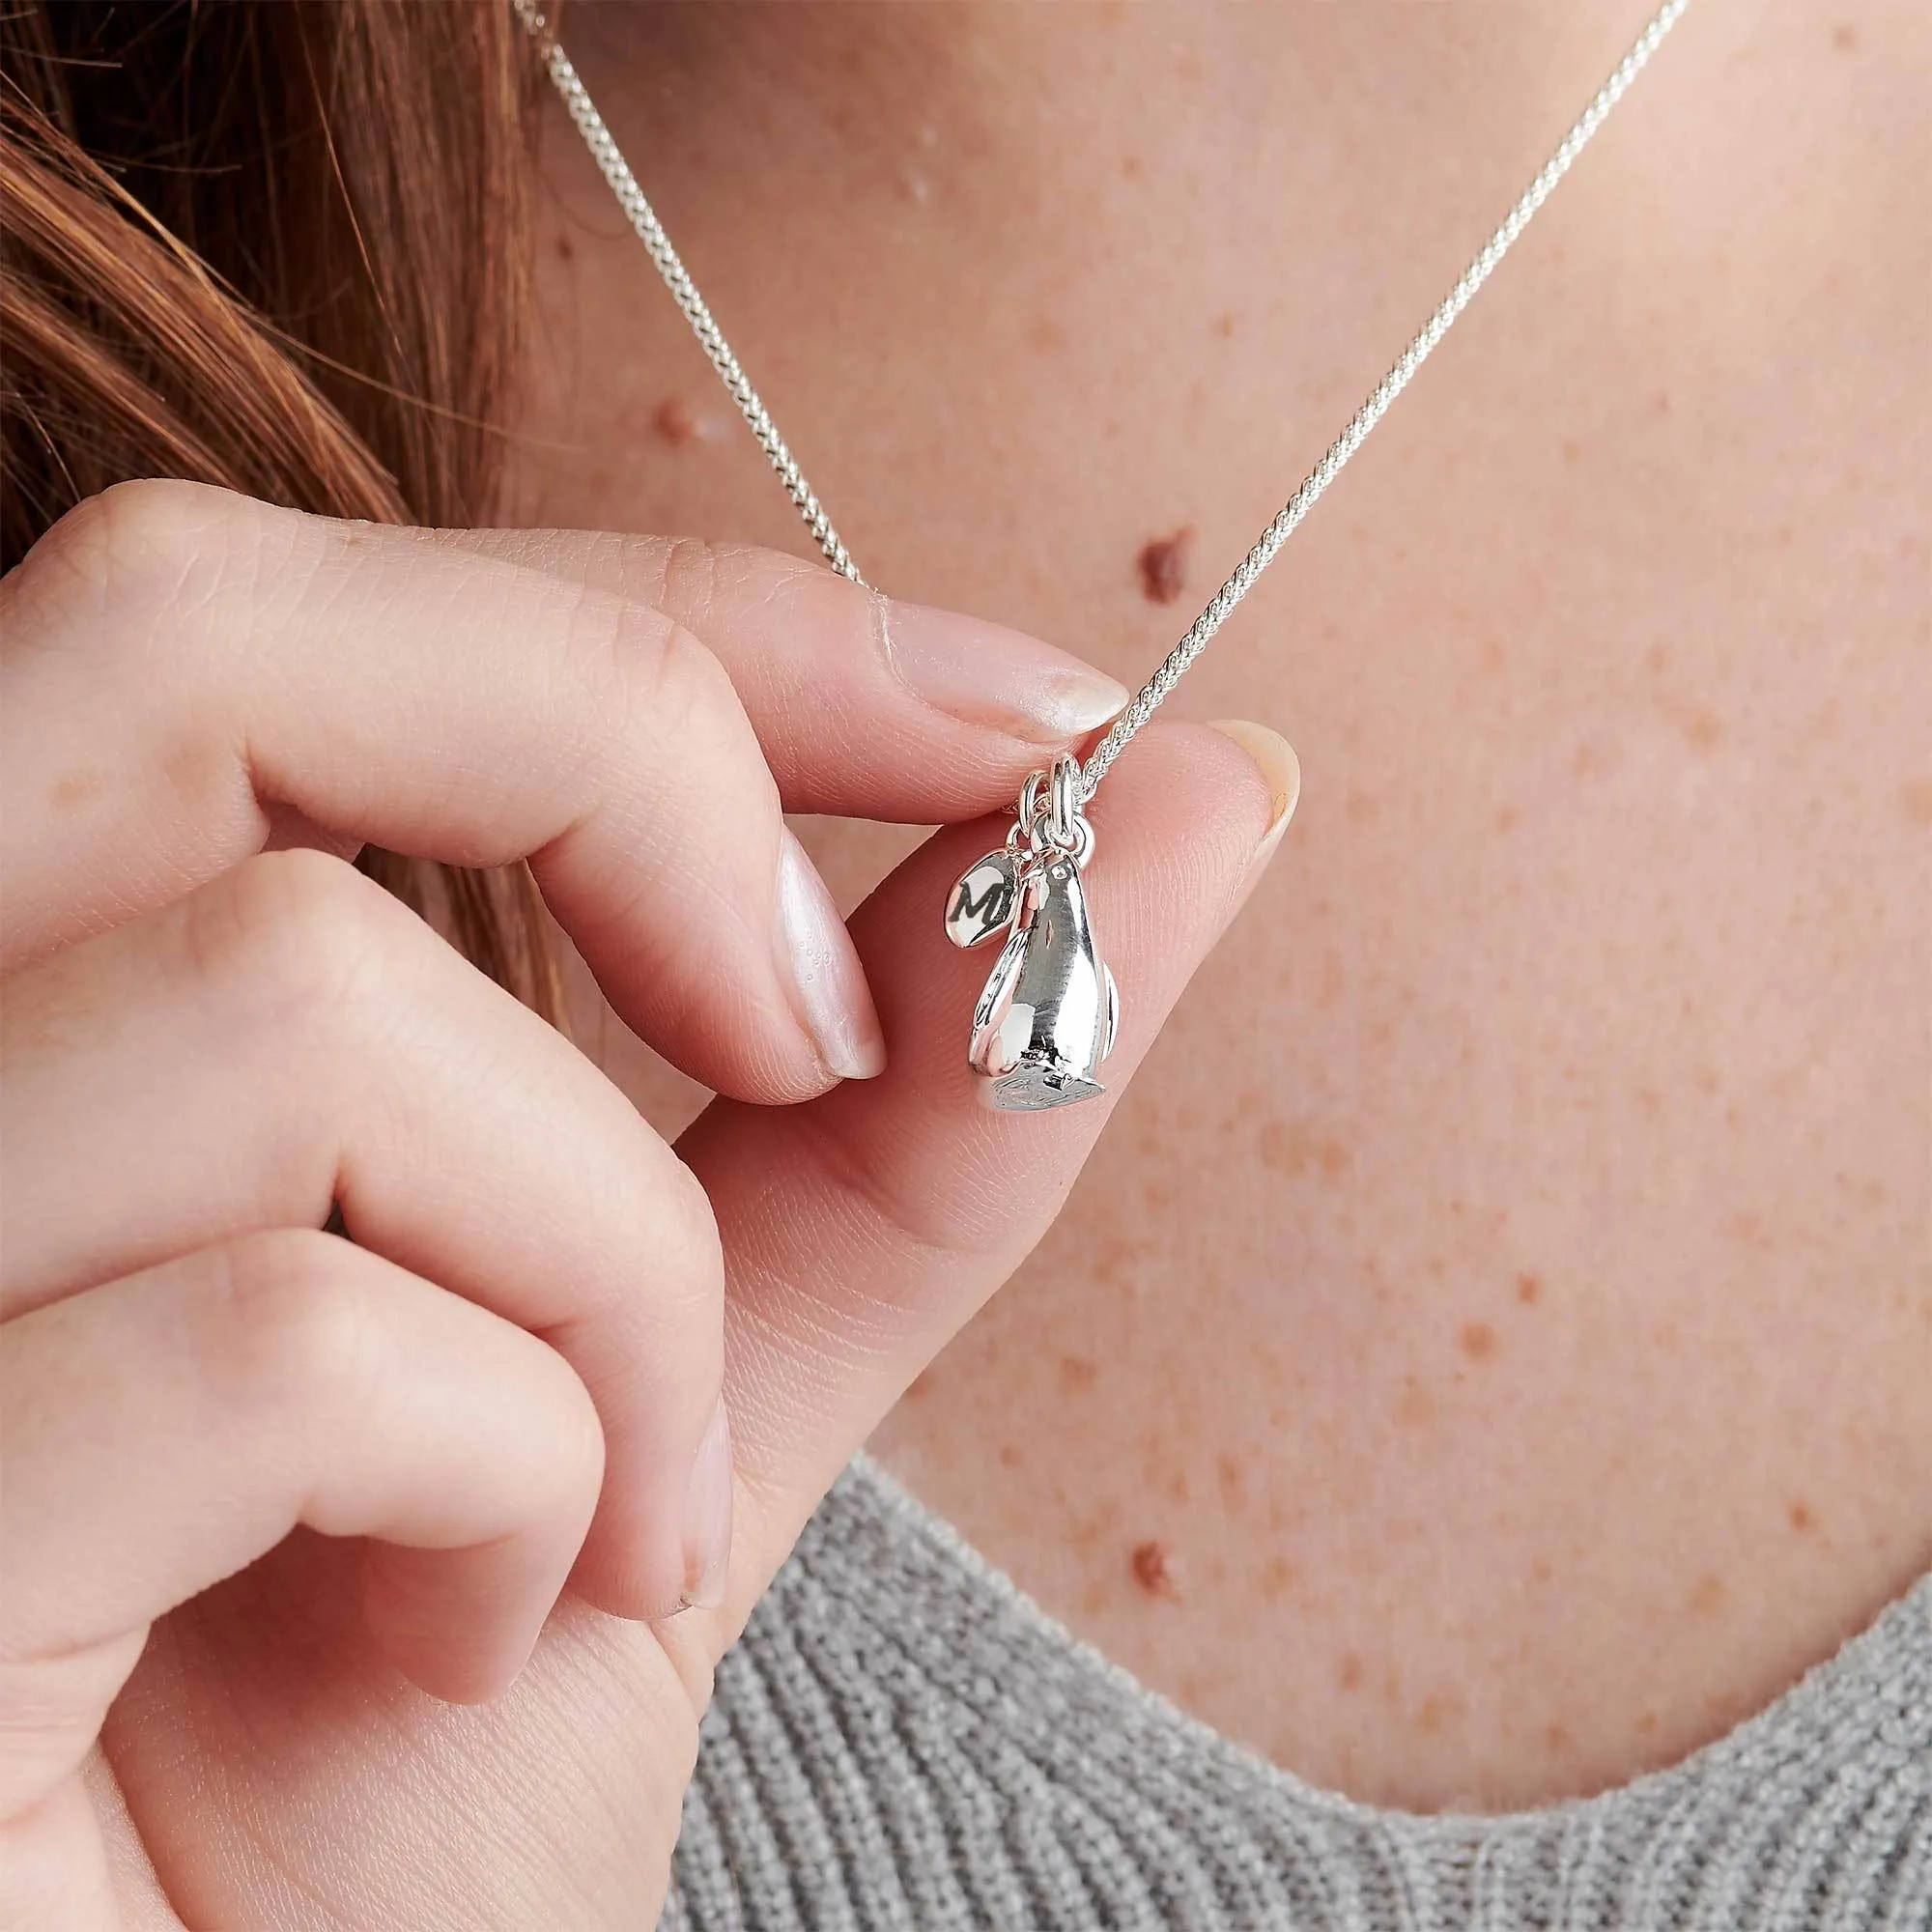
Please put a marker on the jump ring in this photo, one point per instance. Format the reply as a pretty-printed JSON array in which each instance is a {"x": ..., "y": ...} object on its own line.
[
  {"x": 1029, "y": 799},
  {"x": 1063, "y": 807},
  {"x": 1080, "y": 848}
]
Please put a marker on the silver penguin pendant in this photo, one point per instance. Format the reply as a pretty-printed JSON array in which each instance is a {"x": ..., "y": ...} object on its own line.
[{"x": 1050, "y": 1011}]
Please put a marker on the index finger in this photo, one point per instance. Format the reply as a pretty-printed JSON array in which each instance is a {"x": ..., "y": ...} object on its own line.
[{"x": 181, "y": 663}]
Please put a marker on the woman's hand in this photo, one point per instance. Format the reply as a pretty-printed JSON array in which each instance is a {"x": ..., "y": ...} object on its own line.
[{"x": 281, "y": 1510}]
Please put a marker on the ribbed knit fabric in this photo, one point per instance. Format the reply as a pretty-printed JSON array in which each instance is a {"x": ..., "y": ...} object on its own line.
[{"x": 903, "y": 1740}]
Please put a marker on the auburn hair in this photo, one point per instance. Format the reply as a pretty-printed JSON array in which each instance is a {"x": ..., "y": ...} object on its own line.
[{"x": 280, "y": 245}]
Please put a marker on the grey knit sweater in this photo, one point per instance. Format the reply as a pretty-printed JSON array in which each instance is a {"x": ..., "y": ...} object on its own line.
[{"x": 903, "y": 1739}]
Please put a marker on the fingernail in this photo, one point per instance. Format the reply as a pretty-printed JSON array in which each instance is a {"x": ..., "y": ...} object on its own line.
[
  {"x": 828, "y": 984},
  {"x": 707, "y": 1516},
  {"x": 1281, "y": 769},
  {"x": 985, "y": 675}
]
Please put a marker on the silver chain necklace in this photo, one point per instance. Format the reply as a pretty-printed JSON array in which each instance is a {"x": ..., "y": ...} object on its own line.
[{"x": 1049, "y": 1015}]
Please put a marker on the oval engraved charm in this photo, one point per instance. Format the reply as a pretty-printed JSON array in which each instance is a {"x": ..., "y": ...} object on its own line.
[{"x": 982, "y": 902}]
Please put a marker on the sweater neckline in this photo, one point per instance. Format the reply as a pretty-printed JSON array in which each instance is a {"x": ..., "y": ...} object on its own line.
[{"x": 1861, "y": 1676}]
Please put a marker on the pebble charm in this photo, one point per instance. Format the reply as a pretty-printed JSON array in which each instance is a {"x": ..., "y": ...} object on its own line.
[{"x": 983, "y": 901}]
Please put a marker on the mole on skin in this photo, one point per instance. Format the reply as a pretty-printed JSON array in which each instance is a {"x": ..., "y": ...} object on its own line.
[
  {"x": 1152, "y": 1570},
  {"x": 675, "y": 423},
  {"x": 1163, "y": 565}
]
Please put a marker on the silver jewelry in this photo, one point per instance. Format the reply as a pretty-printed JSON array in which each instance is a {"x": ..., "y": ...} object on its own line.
[{"x": 1050, "y": 1010}]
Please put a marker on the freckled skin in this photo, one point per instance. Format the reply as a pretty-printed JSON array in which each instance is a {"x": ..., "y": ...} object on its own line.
[
  {"x": 1076, "y": 1374},
  {"x": 1417, "y": 1407},
  {"x": 1708, "y": 1597},
  {"x": 1276, "y": 1578},
  {"x": 1585, "y": 1005},
  {"x": 1477, "y": 1340}
]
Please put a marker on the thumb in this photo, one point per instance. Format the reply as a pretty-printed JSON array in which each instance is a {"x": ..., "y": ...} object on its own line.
[{"x": 862, "y": 1229}]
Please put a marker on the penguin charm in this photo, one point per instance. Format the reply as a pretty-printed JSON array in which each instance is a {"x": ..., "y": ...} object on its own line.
[{"x": 1050, "y": 1010}]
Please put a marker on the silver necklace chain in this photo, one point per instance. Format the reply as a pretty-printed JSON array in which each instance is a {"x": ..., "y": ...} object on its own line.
[
  {"x": 638, "y": 209},
  {"x": 610, "y": 163}
]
